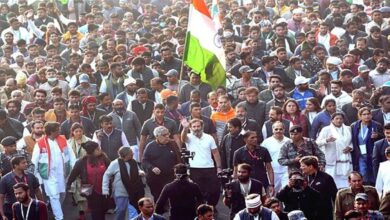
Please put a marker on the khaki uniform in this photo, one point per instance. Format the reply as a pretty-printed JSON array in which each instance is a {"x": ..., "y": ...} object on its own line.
[{"x": 345, "y": 200}]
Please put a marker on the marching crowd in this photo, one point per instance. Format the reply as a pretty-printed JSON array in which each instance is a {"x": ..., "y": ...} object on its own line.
[{"x": 96, "y": 103}]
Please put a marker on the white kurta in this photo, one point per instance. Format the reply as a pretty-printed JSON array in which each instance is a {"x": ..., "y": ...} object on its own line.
[
  {"x": 56, "y": 182},
  {"x": 382, "y": 184},
  {"x": 338, "y": 164}
]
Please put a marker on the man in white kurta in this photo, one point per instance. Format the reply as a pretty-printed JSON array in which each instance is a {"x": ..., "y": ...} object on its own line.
[
  {"x": 53, "y": 160},
  {"x": 273, "y": 145},
  {"x": 382, "y": 184}
]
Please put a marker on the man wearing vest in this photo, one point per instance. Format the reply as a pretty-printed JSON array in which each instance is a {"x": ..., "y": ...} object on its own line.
[
  {"x": 28, "y": 142},
  {"x": 254, "y": 210},
  {"x": 53, "y": 160}
]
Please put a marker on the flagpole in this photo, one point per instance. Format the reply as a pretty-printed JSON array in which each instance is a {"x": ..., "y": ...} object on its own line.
[{"x": 184, "y": 52}]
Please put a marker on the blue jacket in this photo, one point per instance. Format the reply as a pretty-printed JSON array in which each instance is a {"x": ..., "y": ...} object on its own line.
[
  {"x": 321, "y": 120},
  {"x": 355, "y": 129},
  {"x": 301, "y": 99}
]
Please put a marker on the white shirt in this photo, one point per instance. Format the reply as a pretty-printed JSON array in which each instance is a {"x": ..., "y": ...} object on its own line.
[
  {"x": 382, "y": 184},
  {"x": 378, "y": 79},
  {"x": 202, "y": 147},
  {"x": 273, "y": 146},
  {"x": 343, "y": 99}
]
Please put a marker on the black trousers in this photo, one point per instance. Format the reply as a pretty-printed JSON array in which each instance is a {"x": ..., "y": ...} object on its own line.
[
  {"x": 98, "y": 206},
  {"x": 157, "y": 183},
  {"x": 208, "y": 182}
]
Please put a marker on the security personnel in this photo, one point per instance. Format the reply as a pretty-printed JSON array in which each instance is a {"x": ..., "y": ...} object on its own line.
[
  {"x": 9, "y": 144},
  {"x": 183, "y": 195}
]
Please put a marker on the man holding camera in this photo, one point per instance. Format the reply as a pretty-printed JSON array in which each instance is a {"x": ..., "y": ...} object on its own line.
[
  {"x": 236, "y": 191},
  {"x": 297, "y": 195},
  {"x": 202, "y": 170}
]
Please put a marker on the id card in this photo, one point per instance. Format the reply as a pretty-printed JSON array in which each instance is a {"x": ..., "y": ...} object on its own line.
[{"x": 363, "y": 149}]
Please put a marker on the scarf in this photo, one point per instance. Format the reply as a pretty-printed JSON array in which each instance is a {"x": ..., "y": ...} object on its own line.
[
  {"x": 87, "y": 100},
  {"x": 133, "y": 183},
  {"x": 77, "y": 149},
  {"x": 343, "y": 139}
]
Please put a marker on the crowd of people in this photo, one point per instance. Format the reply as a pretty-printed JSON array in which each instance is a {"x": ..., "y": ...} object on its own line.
[{"x": 96, "y": 104}]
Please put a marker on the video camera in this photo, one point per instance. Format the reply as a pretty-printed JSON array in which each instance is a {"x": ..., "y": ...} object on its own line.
[
  {"x": 226, "y": 177},
  {"x": 186, "y": 155}
]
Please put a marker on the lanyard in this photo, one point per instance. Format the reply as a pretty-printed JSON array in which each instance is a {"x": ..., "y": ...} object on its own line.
[
  {"x": 24, "y": 178},
  {"x": 364, "y": 132},
  {"x": 244, "y": 192},
  {"x": 28, "y": 210},
  {"x": 253, "y": 156}
]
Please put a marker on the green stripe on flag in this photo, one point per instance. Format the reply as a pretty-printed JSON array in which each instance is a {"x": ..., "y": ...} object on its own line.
[{"x": 204, "y": 62}]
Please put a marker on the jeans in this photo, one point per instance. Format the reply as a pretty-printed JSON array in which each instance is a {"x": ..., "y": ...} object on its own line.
[
  {"x": 121, "y": 203},
  {"x": 366, "y": 171}
]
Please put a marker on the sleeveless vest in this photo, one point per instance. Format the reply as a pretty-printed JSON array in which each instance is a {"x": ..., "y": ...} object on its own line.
[
  {"x": 111, "y": 144},
  {"x": 265, "y": 214}
]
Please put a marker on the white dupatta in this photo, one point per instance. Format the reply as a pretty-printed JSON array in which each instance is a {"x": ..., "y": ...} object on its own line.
[{"x": 343, "y": 139}]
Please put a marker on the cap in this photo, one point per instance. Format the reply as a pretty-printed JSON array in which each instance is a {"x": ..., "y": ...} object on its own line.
[
  {"x": 296, "y": 215},
  {"x": 296, "y": 129},
  {"x": 129, "y": 80},
  {"x": 252, "y": 201},
  {"x": 83, "y": 78},
  {"x": 334, "y": 61},
  {"x": 363, "y": 68},
  {"x": 298, "y": 11},
  {"x": 265, "y": 23},
  {"x": 361, "y": 196},
  {"x": 386, "y": 84},
  {"x": 165, "y": 93},
  {"x": 301, "y": 80},
  {"x": 385, "y": 9},
  {"x": 245, "y": 69},
  {"x": 227, "y": 34},
  {"x": 172, "y": 72},
  {"x": 8, "y": 141},
  {"x": 281, "y": 20}
]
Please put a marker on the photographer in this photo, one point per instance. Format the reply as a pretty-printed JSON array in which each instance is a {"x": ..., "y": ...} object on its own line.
[
  {"x": 236, "y": 191},
  {"x": 297, "y": 195},
  {"x": 183, "y": 195}
]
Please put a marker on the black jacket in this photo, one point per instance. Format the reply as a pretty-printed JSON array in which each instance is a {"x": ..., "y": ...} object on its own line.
[
  {"x": 325, "y": 185},
  {"x": 307, "y": 201},
  {"x": 378, "y": 155},
  {"x": 184, "y": 197}
]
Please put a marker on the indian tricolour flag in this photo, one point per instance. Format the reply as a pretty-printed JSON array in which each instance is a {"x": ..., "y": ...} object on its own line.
[{"x": 203, "y": 52}]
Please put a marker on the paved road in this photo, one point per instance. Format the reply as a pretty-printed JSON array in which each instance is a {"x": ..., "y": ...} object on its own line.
[{"x": 71, "y": 212}]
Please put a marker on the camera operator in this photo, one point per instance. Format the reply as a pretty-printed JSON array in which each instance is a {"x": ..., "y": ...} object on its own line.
[
  {"x": 236, "y": 191},
  {"x": 183, "y": 195},
  {"x": 202, "y": 170},
  {"x": 297, "y": 195}
]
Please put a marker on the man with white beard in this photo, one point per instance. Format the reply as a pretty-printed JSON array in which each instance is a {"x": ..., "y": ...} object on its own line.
[{"x": 273, "y": 145}]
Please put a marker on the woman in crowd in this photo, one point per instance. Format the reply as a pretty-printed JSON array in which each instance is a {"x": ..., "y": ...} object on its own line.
[
  {"x": 90, "y": 169},
  {"x": 75, "y": 142},
  {"x": 366, "y": 132},
  {"x": 312, "y": 109},
  {"x": 335, "y": 141},
  {"x": 323, "y": 118},
  {"x": 292, "y": 113}
]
